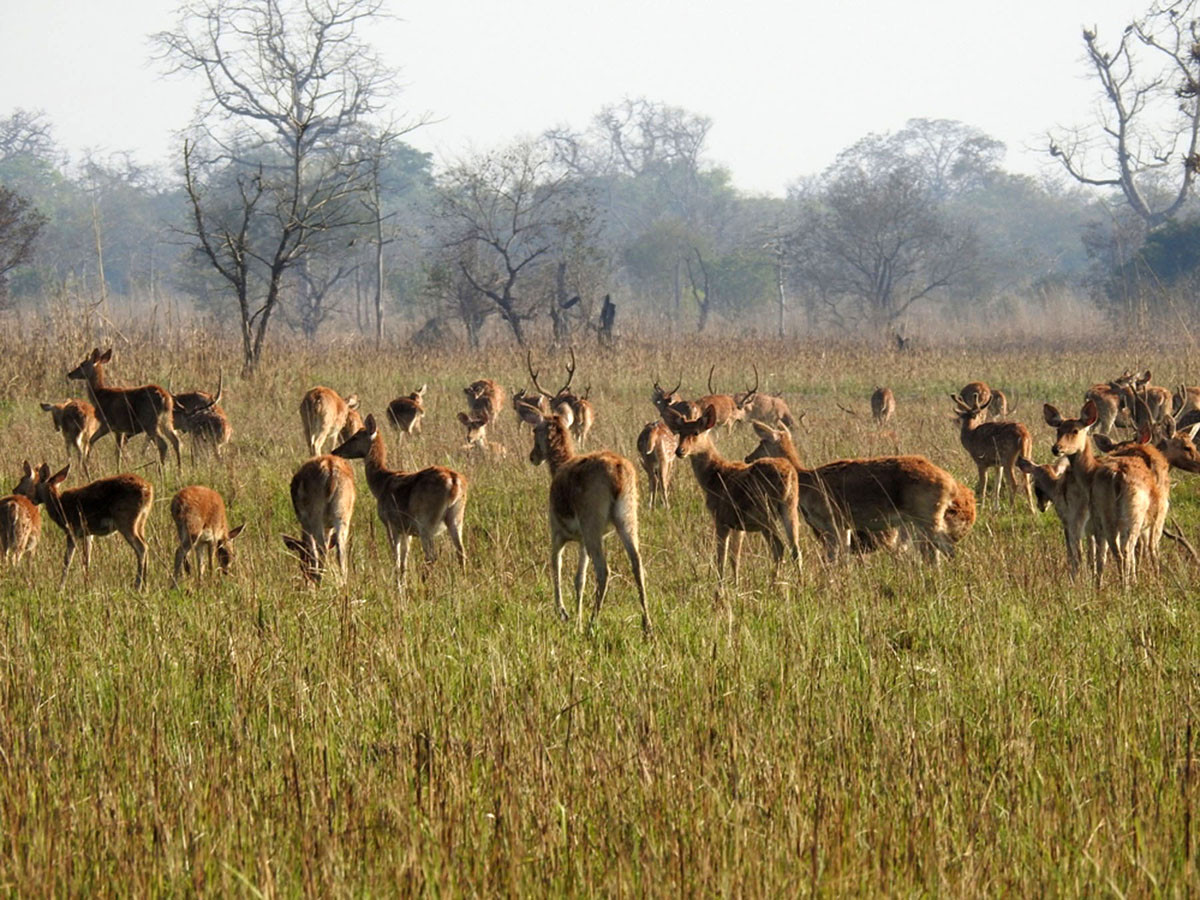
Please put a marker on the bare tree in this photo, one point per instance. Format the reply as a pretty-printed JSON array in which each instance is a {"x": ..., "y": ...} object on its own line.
[
  {"x": 26, "y": 133},
  {"x": 20, "y": 225},
  {"x": 288, "y": 85},
  {"x": 1148, "y": 129}
]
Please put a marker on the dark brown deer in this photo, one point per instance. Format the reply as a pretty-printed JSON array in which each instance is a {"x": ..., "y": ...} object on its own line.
[
  {"x": 422, "y": 503},
  {"x": 76, "y": 421},
  {"x": 590, "y": 495},
  {"x": 323, "y": 495},
  {"x": 656, "y": 451},
  {"x": 325, "y": 415},
  {"x": 200, "y": 524},
  {"x": 118, "y": 504},
  {"x": 405, "y": 413},
  {"x": 994, "y": 444},
  {"x": 128, "y": 411}
]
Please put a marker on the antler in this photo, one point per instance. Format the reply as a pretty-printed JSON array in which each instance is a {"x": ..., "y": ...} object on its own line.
[
  {"x": 750, "y": 393},
  {"x": 710, "y": 375},
  {"x": 570, "y": 373},
  {"x": 534, "y": 375}
]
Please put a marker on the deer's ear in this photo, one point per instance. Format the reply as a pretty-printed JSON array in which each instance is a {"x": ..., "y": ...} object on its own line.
[
  {"x": 106, "y": 356},
  {"x": 352, "y": 401},
  {"x": 235, "y": 532},
  {"x": 464, "y": 418},
  {"x": 528, "y": 414},
  {"x": 61, "y": 474},
  {"x": 1051, "y": 415},
  {"x": 1089, "y": 413},
  {"x": 710, "y": 417},
  {"x": 28, "y": 469},
  {"x": 369, "y": 424}
]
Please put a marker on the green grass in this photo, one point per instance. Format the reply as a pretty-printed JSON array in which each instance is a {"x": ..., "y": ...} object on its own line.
[{"x": 878, "y": 725}]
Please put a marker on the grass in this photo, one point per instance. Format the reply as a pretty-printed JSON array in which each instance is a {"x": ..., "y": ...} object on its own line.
[{"x": 876, "y": 726}]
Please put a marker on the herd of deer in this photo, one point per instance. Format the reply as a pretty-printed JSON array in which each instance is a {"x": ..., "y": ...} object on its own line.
[{"x": 1115, "y": 504}]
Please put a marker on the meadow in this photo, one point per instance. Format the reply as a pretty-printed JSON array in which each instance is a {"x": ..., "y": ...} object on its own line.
[{"x": 875, "y": 726}]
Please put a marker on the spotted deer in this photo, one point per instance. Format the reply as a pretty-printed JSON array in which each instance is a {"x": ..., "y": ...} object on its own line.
[
  {"x": 199, "y": 414},
  {"x": 76, "y": 421},
  {"x": 664, "y": 399},
  {"x": 405, "y": 413},
  {"x": 120, "y": 504},
  {"x": 976, "y": 393},
  {"x": 20, "y": 521},
  {"x": 656, "y": 451},
  {"x": 883, "y": 405},
  {"x": 325, "y": 415},
  {"x": 1136, "y": 389},
  {"x": 1159, "y": 466},
  {"x": 323, "y": 495},
  {"x": 994, "y": 444},
  {"x": 1108, "y": 398},
  {"x": 423, "y": 503},
  {"x": 770, "y": 409},
  {"x": 591, "y": 495},
  {"x": 146, "y": 410},
  {"x": 201, "y": 526}
]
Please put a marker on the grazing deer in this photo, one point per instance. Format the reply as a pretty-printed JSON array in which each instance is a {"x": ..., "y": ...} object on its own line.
[
  {"x": 477, "y": 439},
  {"x": 485, "y": 399},
  {"x": 325, "y": 416},
  {"x": 728, "y": 410},
  {"x": 200, "y": 523},
  {"x": 994, "y": 444},
  {"x": 128, "y": 411},
  {"x": 423, "y": 503},
  {"x": 976, "y": 393},
  {"x": 664, "y": 399},
  {"x": 771, "y": 409},
  {"x": 590, "y": 495},
  {"x": 20, "y": 521},
  {"x": 761, "y": 496},
  {"x": 998, "y": 407},
  {"x": 323, "y": 497},
  {"x": 656, "y": 451},
  {"x": 405, "y": 413},
  {"x": 875, "y": 496},
  {"x": 575, "y": 410},
  {"x": 199, "y": 414},
  {"x": 883, "y": 405},
  {"x": 77, "y": 422},
  {"x": 117, "y": 504}
]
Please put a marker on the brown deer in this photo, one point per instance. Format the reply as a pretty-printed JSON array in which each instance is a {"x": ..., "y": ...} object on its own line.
[
  {"x": 323, "y": 497},
  {"x": 1160, "y": 467},
  {"x": 976, "y": 393},
  {"x": 485, "y": 399},
  {"x": 1184, "y": 400},
  {"x": 200, "y": 524},
  {"x": 522, "y": 398},
  {"x": 875, "y": 496},
  {"x": 770, "y": 409},
  {"x": 420, "y": 503},
  {"x": 325, "y": 415},
  {"x": 998, "y": 407},
  {"x": 728, "y": 410},
  {"x": 994, "y": 444},
  {"x": 76, "y": 421},
  {"x": 883, "y": 405},
  {"x": 117, "y": 504},
  {"x": 199, "y": 414},
  {"x": 664, "y": 399},
  {"x": 20, "y": 522},
  {"x": 761, "y": 496},
  {"x": 656, "y": 450},
  {"x": 590, "y": 495},
  {"x": 477, "y": 439},
  {"x": 128, "y": 411},
  {"x": 1179, "y": 446},
  {"x": 1108, "y": 399},
  {"x": 405, "y": 413},
  {"x": 1137, "y": 388},
  {"x": 575, "y": 410}
]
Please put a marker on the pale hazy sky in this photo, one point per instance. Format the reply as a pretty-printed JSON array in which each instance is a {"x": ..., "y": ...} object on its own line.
[{"x": 787, "y": 83}]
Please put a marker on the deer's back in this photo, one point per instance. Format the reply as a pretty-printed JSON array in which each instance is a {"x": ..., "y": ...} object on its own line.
[{"x": 107, "y": 504}]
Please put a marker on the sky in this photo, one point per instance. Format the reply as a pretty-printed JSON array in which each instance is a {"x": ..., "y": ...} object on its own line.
[{"x": 787, "y": 83}]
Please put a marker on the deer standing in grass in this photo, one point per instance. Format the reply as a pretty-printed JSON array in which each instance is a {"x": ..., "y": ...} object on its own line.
[
  {"x": 575, "y": 410},
  {"x": 405, "y": 413},
  {"x": 590, "y": 495},
  {"x": 477, "y": 439},
  {"x": 199, "y": 414},
  {"x": 323, "y": 497},
  {"x": 656, "y": 451},
  {"x": 76, "y": 421},
  {"x": 1137, "y": 389},
  {"x": 485, "y": 399},
  {"x": 20, "y": 522},
  {"x": 326, "y": 415},
  {"x": 883, "y": 405},
  {"x": 118, "y": 504},
  {"x": 873, "y": 498},
  {"x": 521, "y": 398},
  {"x": 148, "y": 409},
  {"x": 422, "y": 503},
  {"x": 726, "y": 406},
  {"x": 664, "y": 399},
  {"x": 994, "y": 444},
  {"x": 1160, "y": 468},
  {"x": 976, "y": 393},
  {"x": 200, "y": 524}
]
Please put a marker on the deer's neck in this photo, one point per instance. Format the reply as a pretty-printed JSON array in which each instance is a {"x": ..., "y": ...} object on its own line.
[
  {"x": 376, "y": 465},
  {"x": 707, "y": 464},
  {"x": 560, "y": 447},
  {"x": 1083, "y": 464}
]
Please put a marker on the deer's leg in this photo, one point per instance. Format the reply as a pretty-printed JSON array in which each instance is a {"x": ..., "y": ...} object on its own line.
[
  {"x": 67, "y": 557},
  {"x": 594, "y": 542},
  {"x": 556, "y": 550},
  {"x": 181, "y": 563},
  {"x": 722, "y": 547},
  {"x": 454, "y": 522},
  {"x": 735, "y": 553},
  {"x": 138, "y": 543},
  {"x": 580, "y": 579},
  {"x": 981, "y": 483},
  {"x": 629, "y": 540}
]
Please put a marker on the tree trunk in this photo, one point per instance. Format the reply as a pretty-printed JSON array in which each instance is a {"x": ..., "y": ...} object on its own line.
[{"x": 378, "y": 278}]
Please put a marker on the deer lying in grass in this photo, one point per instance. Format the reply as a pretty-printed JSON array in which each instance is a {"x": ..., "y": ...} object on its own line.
[
  {"x": 199, "y": 414},
  {"x": 477, "y": 439},
  {"x": 761, "y": 496},
  {"x": 20, "y": 522},
  {"x": 405, "y": 413},
  {"x": 76, "y": 421},
  {"x": 200, "y": 524},
  {"x": 590, "y": 495},
  {"x": 485, "y": 399},
  {"x": 664, "y": 399},
  {"x": 323, "y": 497},
  {"x": 883, "y": 405},
  {"x": 875, "y": 498},
  {"x": 119, "y": 504},
  {"x": 128, "y": 411},
  {"x": 325, "y": 415},
  {"x": 656, "y": 451},
  {"x": 994, "y": 444},
  {"x": 422, "y": 503}
]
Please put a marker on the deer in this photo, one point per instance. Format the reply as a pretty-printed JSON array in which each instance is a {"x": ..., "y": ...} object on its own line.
[
  {"x": 761, "y": 496},
  {"x": 729, "y": 411},
  {"x": 326, "y": 415},
  {"x": 1137, "y": 388},
  {"x": 656, "y": 451},
  {"x": 1185, "y": 400},
  {"x": 883, "y": 405},
  {"x": 20, "y": 522},
  {"x": 521, "y": 397},
  {"x": 591, "y": 495},
  {"x": 872, "y": 499},
  {"x": 485, "y": 399},
  {"x": 422, "y": 503},
  {"x": 118, "y": 504},
  {"x": 147, "y": 409},
  {"x": 664, "y": 399},
  {"x": 1107, "y": 398},
  {"x": 405, "y": 413},
  {"x": 76, "y": 421},
  {"x": 200, "y": 524},
  {"x": 199, "y": 414},
  {"x": 994, "y": 444},
  {"x": 477, "y": 439},
  {"x": 998, "y": 407},
  {"x": 976, "y": 393},
  {"x": 323, "y": 496},
  {"x": 575, "y": 410}
]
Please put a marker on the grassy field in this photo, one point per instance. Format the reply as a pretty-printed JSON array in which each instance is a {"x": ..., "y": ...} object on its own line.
[{"x": 874, "y": 726}]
